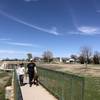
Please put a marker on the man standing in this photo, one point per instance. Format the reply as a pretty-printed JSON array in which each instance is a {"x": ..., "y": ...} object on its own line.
[{"x": 31, "y": 66}]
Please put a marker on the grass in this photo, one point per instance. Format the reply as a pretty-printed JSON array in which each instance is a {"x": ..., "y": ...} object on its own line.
[
  {"x": 3, "y": 83},
  {"x": 3, "y": 74},
  {"x": 92, "y": 88}
]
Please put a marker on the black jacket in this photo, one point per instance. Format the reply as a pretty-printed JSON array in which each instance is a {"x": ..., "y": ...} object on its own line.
[{"x": 31, "y": 68}]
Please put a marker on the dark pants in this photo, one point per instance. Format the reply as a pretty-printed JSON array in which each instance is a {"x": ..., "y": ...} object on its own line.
[
  {"x": 36, "y": 81},
  {"x": 21, "y": 79},
  {"x": 31, "y": 76}
]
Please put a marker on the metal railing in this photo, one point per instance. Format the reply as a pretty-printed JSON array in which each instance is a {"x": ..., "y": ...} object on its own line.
[
  {"x": 63, "y": 86},
  {"x": 17, "y": 90}
]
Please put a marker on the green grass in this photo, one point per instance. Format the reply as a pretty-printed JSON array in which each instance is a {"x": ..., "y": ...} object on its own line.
[{"x": 92, "y": 88}]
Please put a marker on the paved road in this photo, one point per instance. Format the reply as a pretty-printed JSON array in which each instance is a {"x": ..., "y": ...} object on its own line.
[{"x": 36, "y": 93}]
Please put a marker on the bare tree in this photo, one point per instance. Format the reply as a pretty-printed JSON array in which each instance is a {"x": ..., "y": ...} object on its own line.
[
  {"x": 47, "y": 56},
  {"x": 85, "y": 53},
  {"x": 74, "y": 57},
  {"x": 96, "y": 57},
  {"x": 29, "y": 55}
]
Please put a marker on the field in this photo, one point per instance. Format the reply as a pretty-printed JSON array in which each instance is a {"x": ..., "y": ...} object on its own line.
[
  {"x": 79, "y": 69},
  {"x": 91, "y": 76}
]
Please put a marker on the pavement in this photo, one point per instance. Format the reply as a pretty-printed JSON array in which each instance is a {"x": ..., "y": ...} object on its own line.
[{"x": 35, "y": 93}]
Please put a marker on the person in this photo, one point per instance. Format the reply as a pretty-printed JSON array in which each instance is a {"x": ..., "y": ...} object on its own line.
[
  {"x": 21, "y": 72},
  {"x": 31, "y": 71}
]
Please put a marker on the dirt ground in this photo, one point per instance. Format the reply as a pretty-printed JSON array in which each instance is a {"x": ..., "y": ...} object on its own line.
[{"x": 79, "y": 69}]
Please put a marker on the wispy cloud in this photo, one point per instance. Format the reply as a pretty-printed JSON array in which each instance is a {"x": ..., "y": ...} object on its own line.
[
  {"x": 4, "y": 39},
  {"x": 16, "y": 53},
  {"x": 10, "y": 52},
  {"x": 98, "y": 11},
  {"x": 31, "y": 0},
  {"x": 22, "y": 44},
  {"x": 3, "y": 51},
  {"x": 88, "y": 30},
  {"x": 50, "y": 31}
]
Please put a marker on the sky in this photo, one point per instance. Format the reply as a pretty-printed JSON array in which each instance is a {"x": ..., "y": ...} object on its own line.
[{"x": 60, "y": 26}]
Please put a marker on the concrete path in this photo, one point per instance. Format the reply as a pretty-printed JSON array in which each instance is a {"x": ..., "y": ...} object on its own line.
[{"x": 35, "y": 93}]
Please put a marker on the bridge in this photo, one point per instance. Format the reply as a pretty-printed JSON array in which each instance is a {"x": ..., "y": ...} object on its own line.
[
  {"x": 53, "y": 85},
  {"x": 35, "y": 92}
]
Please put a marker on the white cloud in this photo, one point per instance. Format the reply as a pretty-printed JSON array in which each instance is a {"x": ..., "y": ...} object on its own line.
[
  {"x": 88, "y": 30},
  {"x": 22, "y": 44},
  {"x": 4, "y": 39},
  {"x": 10, "y": 52},
  {"x": 16, "y": 53},
  {"x": 52, "y": 31},
  {"x": 98, "y": 11},
  {"x": 31, "y": 0},
  {"x": 83, "y": 30}
]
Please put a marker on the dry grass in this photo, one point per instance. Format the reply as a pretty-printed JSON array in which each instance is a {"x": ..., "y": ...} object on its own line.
[{"x": 91, "y": 70}]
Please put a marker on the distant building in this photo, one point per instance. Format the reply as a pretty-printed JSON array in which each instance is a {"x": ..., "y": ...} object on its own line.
[{"x": 70, "y": 60}]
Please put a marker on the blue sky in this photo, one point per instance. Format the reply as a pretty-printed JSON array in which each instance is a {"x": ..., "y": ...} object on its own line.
[{"x": 61, "y": 26}]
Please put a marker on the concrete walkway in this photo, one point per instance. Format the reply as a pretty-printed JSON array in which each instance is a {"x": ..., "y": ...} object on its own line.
[{"x": 35, "y": 93}]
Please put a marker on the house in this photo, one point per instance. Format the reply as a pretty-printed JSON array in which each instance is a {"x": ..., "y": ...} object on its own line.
[{"x": 70, "y": 60}]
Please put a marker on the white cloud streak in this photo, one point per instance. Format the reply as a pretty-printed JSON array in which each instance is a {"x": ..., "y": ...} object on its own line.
[
  {"x": 22, "y": 44},
  {"x": 4, "y": 39},
  {"x": 15, "y": 53},
  {"x": 98, "y": 11},
  {"x": 52, "y": 31},
  {"x": 31, "y": 0},
  {"x": 10, "y": 52},
  {"x": 88, "y": 30}
]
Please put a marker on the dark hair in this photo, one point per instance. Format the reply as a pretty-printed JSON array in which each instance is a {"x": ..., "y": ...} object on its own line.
[{"x": 21, "y": 64}]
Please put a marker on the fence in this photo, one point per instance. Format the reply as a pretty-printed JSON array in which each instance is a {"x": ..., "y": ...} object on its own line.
[
  {"x": 63, "y": 86},
  {"x": 17, "y": 90}
]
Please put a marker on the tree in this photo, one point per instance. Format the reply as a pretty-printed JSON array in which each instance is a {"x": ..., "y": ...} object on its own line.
[
  {"x": 64, "y": 59},
  {"x": 29, "y": 55},
  {"x": 96, "y": 57},
  {"x": 85, "y": 55},
  {"x": 47, "y": 56},
  {"x": 74, "y": 57},
  {"x": 81, "y": 59}
]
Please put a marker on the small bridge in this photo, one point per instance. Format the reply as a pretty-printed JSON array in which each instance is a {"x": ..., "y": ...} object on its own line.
[
  {"x": 35, "y": 92},
  {"x": 54, "y": 86},
  {"x": 63, "y": 86}
]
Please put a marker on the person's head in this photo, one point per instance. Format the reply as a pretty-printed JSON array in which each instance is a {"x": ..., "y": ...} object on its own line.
[
  {"x": 31, "y": 60},
  {"x": 21, "y": 65}
]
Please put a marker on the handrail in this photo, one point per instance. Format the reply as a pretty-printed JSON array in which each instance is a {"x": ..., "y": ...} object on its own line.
[
  {"x": 64, "y": 86},
  {"x": 16, "y": 85}
]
